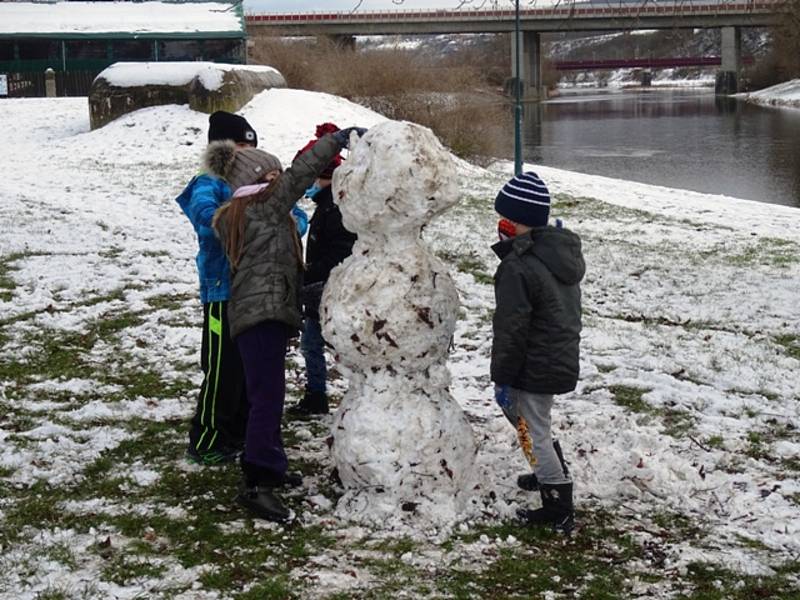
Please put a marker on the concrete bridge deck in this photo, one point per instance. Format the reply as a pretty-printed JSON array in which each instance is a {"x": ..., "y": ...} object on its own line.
[{"x": 570, "y": 17}]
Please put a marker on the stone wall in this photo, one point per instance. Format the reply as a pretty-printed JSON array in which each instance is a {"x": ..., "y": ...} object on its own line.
[{"x": 108, "y": 101}]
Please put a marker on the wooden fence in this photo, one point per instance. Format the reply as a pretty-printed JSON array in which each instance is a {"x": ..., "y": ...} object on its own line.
[{"x": 32, "y": 84}]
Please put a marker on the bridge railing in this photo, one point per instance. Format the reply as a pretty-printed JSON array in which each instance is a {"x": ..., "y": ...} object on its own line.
[
  {"x": 643, "y": 63},
  {"x": 556, "y": 12}
]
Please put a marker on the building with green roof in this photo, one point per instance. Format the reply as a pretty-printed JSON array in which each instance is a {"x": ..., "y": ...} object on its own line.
[{"x": 86, "y": 37}]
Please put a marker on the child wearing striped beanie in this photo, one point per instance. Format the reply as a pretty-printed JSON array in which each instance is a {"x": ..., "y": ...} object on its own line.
[
  {"x": 536, "y": 337},
  {"x": 524, "y": 200}
]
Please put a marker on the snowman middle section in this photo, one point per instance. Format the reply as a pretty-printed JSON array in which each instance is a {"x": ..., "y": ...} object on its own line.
[{"x": 400, "y": 441}]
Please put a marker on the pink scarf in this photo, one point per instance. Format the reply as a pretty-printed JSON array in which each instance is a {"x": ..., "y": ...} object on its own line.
[{"x": 249, "y": 190}]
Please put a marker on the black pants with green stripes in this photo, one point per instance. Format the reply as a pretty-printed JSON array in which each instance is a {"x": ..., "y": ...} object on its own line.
[{"x": 220, "y": 420}]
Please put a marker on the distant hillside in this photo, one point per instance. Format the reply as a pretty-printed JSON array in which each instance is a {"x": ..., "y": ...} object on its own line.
[{"x": 493, "y": 51}]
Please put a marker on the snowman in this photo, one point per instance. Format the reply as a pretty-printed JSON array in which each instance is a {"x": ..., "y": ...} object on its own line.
[{"x": 401, "y": 444}]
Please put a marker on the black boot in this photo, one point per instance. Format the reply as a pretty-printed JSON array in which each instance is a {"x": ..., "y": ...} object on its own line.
[
  {"x": 557, "y": 509},
  {"x": 312, "y": 403},
  {"x": 258, "y": 493}
]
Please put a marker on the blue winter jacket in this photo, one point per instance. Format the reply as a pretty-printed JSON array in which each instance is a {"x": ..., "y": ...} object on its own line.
[
  {"x": 200, "y": 200},
  {"x": 202, "y": 197}
]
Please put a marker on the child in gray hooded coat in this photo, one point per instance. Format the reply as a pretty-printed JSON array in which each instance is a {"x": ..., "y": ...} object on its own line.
[
  {"x": 536, "y": 336},
  {"x": 260, "y": 240}
]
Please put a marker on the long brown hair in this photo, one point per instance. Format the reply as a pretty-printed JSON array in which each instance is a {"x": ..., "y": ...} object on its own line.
[{"x": 234, "y": 224}]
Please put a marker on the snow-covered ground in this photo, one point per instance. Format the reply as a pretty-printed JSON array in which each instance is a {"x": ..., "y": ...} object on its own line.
[
  {"x": 786, "y": 94},
  {"x": 682, "y": 435}
]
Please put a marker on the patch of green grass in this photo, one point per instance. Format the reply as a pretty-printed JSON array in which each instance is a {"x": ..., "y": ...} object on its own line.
[
  {"x": 581, "y": 207},
  {"x": 148, "y": 383},
  {"x": 169, "y": 301},
  {"x": 61, "y": 553},
  {"x": 52, "y": 593},
  {"x": 593, "y": 559},
  {"x": 473, "y": 265},
  {"x": 678, "y": 424},
  {"x": 790, "y": 464},
  {"x": 751, "y": 543},
  {"x": 470, "y": 264},
  {"x": 648, "y": 321},
  {"x": 123, "y": 569},
  {"x": 715, "y": 441},
  {"x": 111, "y": 252},
  {"x": 276, "y": 588},
  {"x": 757, "y": 446},
  {"x": 677, "y": 526},
  {"x": 112, "y": 296},
  {"x": 790, "y": 344},
  {"x": 630, "y": 398},
  {"x": 155, "y": 253},
  {"x": 59, "y": 354},
  {"x": 7, "y": 283},
  {"x": 767, "y": 251},
  {"x": 18, "y": 420},
  {"x": 710, "y": 582}
]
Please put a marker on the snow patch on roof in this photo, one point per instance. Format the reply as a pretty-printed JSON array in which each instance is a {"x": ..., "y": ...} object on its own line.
[
  {"x": 117, "y": 17},
  {"x": 127, "y": 74}
]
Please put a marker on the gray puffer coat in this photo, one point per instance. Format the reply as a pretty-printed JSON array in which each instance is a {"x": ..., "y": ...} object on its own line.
[
  {"x": 267, "y": 282},
  {"x": 537, "y": 321}
]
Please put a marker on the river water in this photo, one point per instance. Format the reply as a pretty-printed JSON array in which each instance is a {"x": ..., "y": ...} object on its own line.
[{"x": 677, "y": 138}]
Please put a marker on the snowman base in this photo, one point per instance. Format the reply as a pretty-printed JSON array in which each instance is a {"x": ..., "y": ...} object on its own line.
[{"x": 402, "y": 451}]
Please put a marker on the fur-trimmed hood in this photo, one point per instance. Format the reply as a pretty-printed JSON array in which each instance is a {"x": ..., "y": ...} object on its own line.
[
  {"x": 238, "y": 166},
  {"x": 219, "y": 157}
]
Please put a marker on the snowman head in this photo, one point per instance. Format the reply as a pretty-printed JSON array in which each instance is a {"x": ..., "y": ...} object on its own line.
[{"x": 397, "y": 177}]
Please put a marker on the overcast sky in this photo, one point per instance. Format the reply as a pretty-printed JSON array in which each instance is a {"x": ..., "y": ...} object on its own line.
[{"x": 366, "y": 5}]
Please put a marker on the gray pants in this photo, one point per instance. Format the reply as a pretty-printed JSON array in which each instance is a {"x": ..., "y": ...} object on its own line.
[{"x": 530, "y": 415}]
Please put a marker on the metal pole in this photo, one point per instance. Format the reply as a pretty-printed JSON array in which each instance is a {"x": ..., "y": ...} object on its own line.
[{"x": 518, "y": 103}]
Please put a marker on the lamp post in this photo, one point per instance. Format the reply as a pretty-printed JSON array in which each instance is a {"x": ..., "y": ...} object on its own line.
[{"x": 518, "y": 98}]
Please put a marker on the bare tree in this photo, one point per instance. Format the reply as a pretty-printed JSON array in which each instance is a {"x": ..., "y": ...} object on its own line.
[{"x": 787, "y": 40}]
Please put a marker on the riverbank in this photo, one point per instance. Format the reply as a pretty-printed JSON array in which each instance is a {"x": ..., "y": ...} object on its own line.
[
  {"x": 783, "y": 95},
  {"x": 682, "y": 436}
]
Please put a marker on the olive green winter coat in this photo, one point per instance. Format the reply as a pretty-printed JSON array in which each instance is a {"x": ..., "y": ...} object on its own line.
[
  {"x": 267, "y": 282},
  {"x": 537, "y": 320}
]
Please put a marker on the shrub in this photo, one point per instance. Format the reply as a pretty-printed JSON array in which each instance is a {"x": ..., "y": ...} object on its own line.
[{"x": 455, "y": 97}]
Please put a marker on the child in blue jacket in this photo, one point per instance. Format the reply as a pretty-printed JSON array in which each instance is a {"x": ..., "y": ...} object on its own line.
[{"x": 217, "y": 428}]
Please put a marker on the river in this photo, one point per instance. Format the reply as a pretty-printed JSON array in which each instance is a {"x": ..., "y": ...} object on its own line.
[{"x": 677, "y": 138}]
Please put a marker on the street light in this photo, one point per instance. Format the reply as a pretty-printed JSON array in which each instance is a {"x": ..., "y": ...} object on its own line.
[{"x": 518, "y": 102}]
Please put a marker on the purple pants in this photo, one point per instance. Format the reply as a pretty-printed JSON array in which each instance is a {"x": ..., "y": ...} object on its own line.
[{"x": 263, "y": 351}]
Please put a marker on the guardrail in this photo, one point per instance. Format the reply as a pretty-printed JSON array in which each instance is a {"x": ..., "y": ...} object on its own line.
[
  {"x": 642, "y": 63},
  {"x": 555, "y": 12}
]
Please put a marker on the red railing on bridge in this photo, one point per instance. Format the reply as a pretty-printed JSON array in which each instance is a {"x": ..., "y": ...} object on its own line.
[{"x": 642, "y": 63}]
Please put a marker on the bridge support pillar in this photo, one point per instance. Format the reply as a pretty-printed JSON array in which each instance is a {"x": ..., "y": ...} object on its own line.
[
  {"x": 728, "y": 75},
  {"x": 530, "y": 55}
]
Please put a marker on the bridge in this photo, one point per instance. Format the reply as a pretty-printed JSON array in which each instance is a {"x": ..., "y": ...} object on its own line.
[
  {"x": 730, "y": 15},
  {"x": 675, "y": 62}
]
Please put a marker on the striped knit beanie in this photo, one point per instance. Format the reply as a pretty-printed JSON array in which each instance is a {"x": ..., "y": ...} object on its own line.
[{"x": 524, "y": 200}]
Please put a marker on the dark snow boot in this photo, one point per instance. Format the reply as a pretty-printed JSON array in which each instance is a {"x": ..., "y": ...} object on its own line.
[
  {"x": 263, "y": 503},
  {"x": 557, "y": 509},
  {"x": 528, "y": 482},
  {"x": 258, "y": 492},
  {"x": 312, "y": 403}
]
